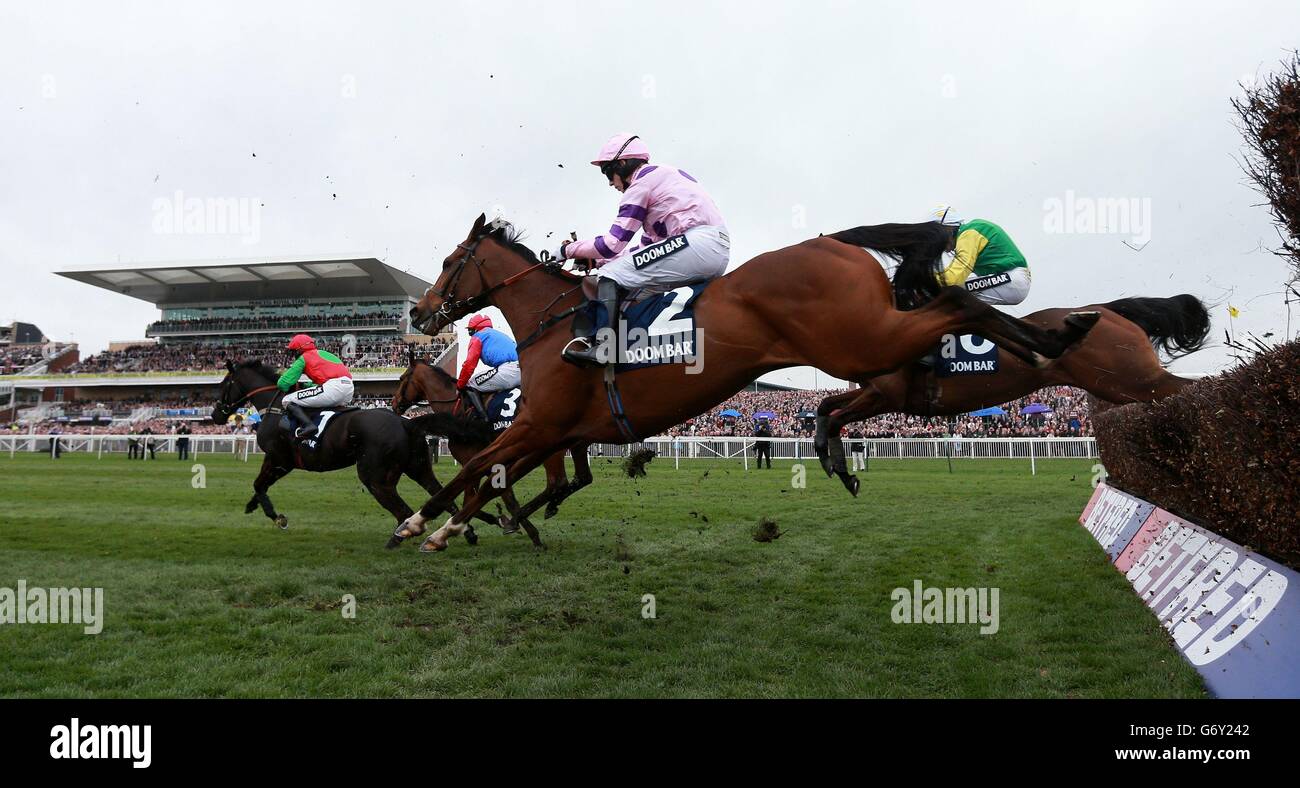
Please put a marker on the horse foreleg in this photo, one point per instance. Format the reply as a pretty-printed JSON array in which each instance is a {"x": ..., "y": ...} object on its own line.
[
  {"x": 821, "y": 438},
  {"x": 512, "y": 453},
  {"x": 867, "y": 402},
  {"x": 423, "y": 475},
  {"x": 267, "y": 476}
]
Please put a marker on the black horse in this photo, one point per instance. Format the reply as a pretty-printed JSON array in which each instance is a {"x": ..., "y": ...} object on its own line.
[{"x": 382, "y": 444}]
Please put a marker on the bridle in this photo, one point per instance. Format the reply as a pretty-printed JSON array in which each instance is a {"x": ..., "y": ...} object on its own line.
[
  {"x": 408, "y": 379},
  {"x": 233, "y": 406},
  {"x": 453, "y": 308}
]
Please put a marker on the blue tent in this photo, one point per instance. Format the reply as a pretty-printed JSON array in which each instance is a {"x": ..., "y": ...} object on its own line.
[{"x": 993, "y": 411}]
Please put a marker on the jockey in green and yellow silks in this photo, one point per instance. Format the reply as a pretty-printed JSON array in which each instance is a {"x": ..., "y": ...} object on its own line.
[{"x": 984, "y": 259}]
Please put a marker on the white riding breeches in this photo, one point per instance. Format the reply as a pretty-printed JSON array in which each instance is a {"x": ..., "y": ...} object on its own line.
[
  {"x": 1009, "y": 287},
  {"x": 502, "y": 378},
  {"x": 335, "y": 392},
  {"x": 698, "y": 255}
]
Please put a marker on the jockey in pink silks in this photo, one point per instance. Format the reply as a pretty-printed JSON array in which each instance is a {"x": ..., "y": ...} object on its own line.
[{"x": 683, "y": 237}]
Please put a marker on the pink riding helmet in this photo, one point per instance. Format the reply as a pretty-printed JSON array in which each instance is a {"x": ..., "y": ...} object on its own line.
[{"x": 622, "y": 146}]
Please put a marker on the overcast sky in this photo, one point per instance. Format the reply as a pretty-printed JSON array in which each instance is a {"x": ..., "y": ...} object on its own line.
[{"x": 385, "y": 128}]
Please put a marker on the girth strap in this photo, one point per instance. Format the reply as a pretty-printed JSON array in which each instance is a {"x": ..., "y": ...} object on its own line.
[{"x": 616, "y": 405}]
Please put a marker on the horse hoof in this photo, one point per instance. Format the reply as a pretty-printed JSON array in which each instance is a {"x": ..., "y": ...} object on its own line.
[
  {"x": 540, "y": 547},
  {"x": 551, "y": 511},
  {"x": 1082, "y": 321},
  {"x": 508, "y": 525},
  {"x": 282, "y": 522},
  {"x": 471, "y": 537},
  {"x": 394, "y": 542},
  {"x": 251, "y": 507},
  {"x": 430, "y": 546}
]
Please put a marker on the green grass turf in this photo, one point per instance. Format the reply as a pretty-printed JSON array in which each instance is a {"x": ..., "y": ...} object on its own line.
[{"x": 202, "y": 600}]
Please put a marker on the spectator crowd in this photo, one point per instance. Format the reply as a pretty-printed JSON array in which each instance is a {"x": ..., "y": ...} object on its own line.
[
  {"x": 364, "y": 319},
  {"x": 1068, "y": 418},
  {"x": 370, "y": 352}
]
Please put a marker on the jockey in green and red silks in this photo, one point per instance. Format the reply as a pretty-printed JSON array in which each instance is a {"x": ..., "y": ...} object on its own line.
[{"x": 332, "y": 379}]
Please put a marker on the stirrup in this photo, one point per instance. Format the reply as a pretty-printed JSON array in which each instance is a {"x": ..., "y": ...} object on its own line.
[
  {"x": 584, "y": 355},
  {"x": 305, "y": 432}
]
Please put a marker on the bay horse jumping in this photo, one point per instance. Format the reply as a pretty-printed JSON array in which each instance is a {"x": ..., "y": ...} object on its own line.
[
  {"x": 467, "y": 435},
  {"x": 1116, "y": 363},
  {"x": 382, "y": 445},
  {"x": 822, "y": 303}
]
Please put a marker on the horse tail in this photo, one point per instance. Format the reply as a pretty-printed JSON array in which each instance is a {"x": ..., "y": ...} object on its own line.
[
  {"x": 1177, "y": 325},
  {"x": 919, "y": 247},
  {"x": 453, "y": 428}
]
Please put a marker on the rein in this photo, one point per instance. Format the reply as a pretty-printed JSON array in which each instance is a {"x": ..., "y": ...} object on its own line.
[
  {"x": 251, "y": 394},
  {"x": 450, "y": 303}
]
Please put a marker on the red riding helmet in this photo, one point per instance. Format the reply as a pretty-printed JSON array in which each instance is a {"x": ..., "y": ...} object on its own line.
[
  {"x": 479, "y": 321},
  {"x": 301, "y": 343}
]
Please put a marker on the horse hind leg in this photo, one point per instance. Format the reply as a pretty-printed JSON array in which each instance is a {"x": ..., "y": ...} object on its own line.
[
  {"x": 512, "y": 505},
  {"x": 582, "y": 477}
]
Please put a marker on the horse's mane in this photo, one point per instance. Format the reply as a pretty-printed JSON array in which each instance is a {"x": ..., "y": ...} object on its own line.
[
  {"x": 440, "y": 372},
  {"x": 509, "y": 236},
  {"x": 258, "y": 366},
  {"x": 506, "y": 234}
]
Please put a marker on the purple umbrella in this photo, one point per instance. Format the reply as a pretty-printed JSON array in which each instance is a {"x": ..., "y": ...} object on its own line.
[{"x": 1034, "y": 408}]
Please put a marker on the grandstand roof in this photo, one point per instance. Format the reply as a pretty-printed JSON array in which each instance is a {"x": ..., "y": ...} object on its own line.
[{"x": 246, "y": 280}]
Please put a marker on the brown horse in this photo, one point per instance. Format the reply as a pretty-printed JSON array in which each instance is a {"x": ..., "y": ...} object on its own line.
[
  {"x": 467, "y": 436},
  {"x": 1116, "y": 363},
  {"x": 822, "y": 303}
]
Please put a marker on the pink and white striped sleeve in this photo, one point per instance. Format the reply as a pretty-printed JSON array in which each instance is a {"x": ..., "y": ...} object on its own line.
[{"x": 631, "y": 214}]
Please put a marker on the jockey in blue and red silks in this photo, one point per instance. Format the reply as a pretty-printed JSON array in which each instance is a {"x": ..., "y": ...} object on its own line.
[{"x": 494, "y": 349}]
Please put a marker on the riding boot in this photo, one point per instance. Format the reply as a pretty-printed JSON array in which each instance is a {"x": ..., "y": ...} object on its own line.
[
  {"x": 581, "y": 351},
  {"x": 475, "y": 399},
  {"x": 307, "y": 429}
]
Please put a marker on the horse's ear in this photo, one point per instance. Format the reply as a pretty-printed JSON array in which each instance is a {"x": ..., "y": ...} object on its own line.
[{"x": 479, "y": 223}]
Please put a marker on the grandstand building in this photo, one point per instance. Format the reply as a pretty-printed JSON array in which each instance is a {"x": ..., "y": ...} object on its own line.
[{"x": 210, "y": 312}]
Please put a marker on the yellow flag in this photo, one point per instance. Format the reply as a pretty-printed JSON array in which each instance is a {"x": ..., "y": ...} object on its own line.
[{"x": 1232, "y": 310}]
